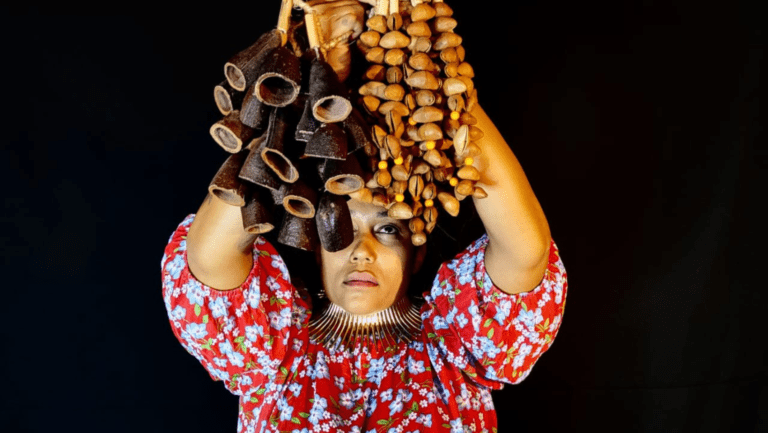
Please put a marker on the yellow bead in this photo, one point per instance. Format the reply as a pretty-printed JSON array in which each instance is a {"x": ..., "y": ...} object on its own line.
[
  {"x": 399, "y": 198},
  {"x": 455, "y": 115},
  {"x": 412, "y": 122},
  {"x": 399, "y": 160},
  {"x": 468, "y": 161},
  {"x": 453, "y": 181},
  {"x": 430, "y": 144},
  {"x": 382, "y": 165},
  {"x": 429, "y": 203}
]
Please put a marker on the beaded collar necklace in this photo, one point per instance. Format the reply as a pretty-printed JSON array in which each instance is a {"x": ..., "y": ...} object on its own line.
[{"x": 337, "y": 328}]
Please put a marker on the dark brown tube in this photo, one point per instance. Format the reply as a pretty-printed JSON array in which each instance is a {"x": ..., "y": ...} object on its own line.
[
  {"x": 226, "y": 97},
  {"x": 273, "y": 153},
  {"x": 254, "y": 113},
  {"x": 226, "y": 186},
  {"x": 341, "y": 177},
  {"x": 241, "y": 70},
  {"x": 328, "y": 102},
  {"x": 279, "y": 78},
  {"x": 329, "y": 141},
  {"x": 299, "y": 199},
  {"x": 230, "y": 133},
  {"x": 298, "y": 232},
  {"x": 358, "y": 132},
  {"x": 255, "y": 170},
  {"x": 334, "y": 223},
  {"x": 257, "y": 215},
  {"x": 307, "y": 124}
]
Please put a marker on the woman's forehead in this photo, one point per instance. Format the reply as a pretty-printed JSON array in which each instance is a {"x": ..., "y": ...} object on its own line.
[{"x": 370, "y": 212}]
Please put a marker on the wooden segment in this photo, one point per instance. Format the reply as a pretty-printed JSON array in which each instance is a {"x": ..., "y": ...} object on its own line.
[
  {"x": 240, "y": 70},
  {"x": 334, "y": 223},
  {"x": 226, "y": 185},
  {"x": 226, "y": 97},
  {"x": 298, "y": 232},
  {"x": 230, "y": 133}
]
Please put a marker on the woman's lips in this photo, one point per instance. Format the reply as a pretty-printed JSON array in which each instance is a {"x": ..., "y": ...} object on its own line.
[{"x": 361, "y": 279}]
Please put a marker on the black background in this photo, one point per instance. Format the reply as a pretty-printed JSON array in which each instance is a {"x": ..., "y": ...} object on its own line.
[{"x": 638, "y": 123}]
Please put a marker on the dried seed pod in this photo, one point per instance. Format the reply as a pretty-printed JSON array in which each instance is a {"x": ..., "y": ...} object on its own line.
[
  {"x": 418, "y": 29},
  {"x": 472, "y": 100},
  {"x": 394, "y": 39},
  {"x": 423, "y": 80},
  {"x": 298, "y": 232},
  {"x": 415, "y": 186},
  {"x": 394, "y": 75},
  {"x": 456, "y": 103},
  {"x": 453, "y": 86},
  {"x": 450, "y": 127},
  {"x": 430, "y": 131},
  {"x": 377, "y": 23},
  {"x": 230, "y": 133},
  {"x": 467, "y": 82},
  {"x": 394, "y": 21},
  {"x": 256, "y": 214},
  {"x": 430, "y": 216},
  {"x": 423, "y": 12},
  {"x": 433, "y": 158},
  {"x": 378, "y": 134},
  {"x": 383, "y": 178},
  {"x": 397, "y": 107},
  {"x": 443, "y": 10},
  {"x": 466, "y": 70},
  {"x": 447, "y": 40},
  {"x": 399, "y": 186},
  {"x": 427, "y": 114},
  {"x": 334, "y": 223},
  {"x": 468, "y": 172},
  {"x": 449, "y": 55},
  {"x": 420, "y": 45},
  {"x": 371, "y": 103},
  {"x": 373, "y": 88},
  {"x": 472, "y": 151},
  {"x": 421, "y": 62},
  {"x": 425, "y": 97},
  {"x": 380, "y": 199},
  {"x": 394, "y": 57},
  {"x": 394, "y": 92},
  {"x": 418, "y": 239},
  {"x": 393, "y": 146},
  {"x": 449, "y": 202},
  {"x": 416, "y": 225},
  {"x": 446, "y": 144},
  {"x": 461, "y": 139},
  {"x": 451, "y": 69},
  {"x": 374, "y": 73},
  {"x": 400, "y": 173},
  {"x": 299, "y": 199},
  {"x": 226, "y": 185},
  {"x": 475, "y": 133},
  {"x": 418, "y": 208},
  {"x": 400, "y": 211},
  {"x": 412, "y": 132},
  {"x": 467, "y": 119},
  {"x": 465, "y": 187},
  {"x": 370, "y": 38},
  {"x": 460, "y": 53},
  {"x": 479, "y": 193},
  {"x": 364, "y": 195},
  {"x": 395, "y": 123},
  {"x": 444, "y": 24},
  {"x": 410, "y": 101},
  {"x": 375, "y": 55},
  {"x": 420, "y": 167}
]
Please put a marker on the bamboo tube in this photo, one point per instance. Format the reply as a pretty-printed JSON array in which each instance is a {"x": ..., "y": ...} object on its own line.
[
  {"x": 394, "y": 75},
  {"x": 253, "y": 113},
  {"x": 430, "y": 131},
  {"x": 334, "y": 223},
  {"x": 377, "y": 23},
  {"x": 394, "y": 39},
  {"x": 394, "y": 57},
  {"x": 226, "y": 186},
  {"x": 400, "y": 211},
  {"x": 329, "y": 141},
  {"x": 307, "y": 124},
  {"x": 328, "y": 103},
  {"x": 444, "y": 24},
  {"x": 443, "y": 10},
  {"x": 254, "y": 168},
  {"x": 284, "y": 20},
  {"x": 278, "y": 80},
  {"x": 370, "y": 38},
  {"x": 418, "y": 29},
  {"x": 447, "y": 40},
  {"x": 427, "y": 114},
  {"x": 299, "y": 199},
  {"x": 423, "y": 80},
  {"x": 374, "y": 73},
  {"x": 449, "y": 202},
  {"x": 274, "y": 150},
  {"x": 256, "y": 214},
  {"x": 226, "y": 97},
  {"x": 240, "y": 70},
  {"x": 423, "y": 12},
  {"x": 298, "y": 232},
  {"x": 341, "y": 177},
  {"x": 454, "y": 86},
  {"x": 358, "y": 132},
  {"x": 230, "y": 133}
]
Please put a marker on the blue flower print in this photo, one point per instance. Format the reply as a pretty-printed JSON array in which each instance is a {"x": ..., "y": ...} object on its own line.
[
  {"x": 465, "y": 272},
  {"x": 286, "y": 410},
  {"x": 279, "y": 264},
  {"x": 304, "y": 430},
  {"x": 195, "y": 293},
  {"x": 386, "y": 395},
  {"x": 439, "y": 323},
  {"x": 425, "y": 419},
  {"x": 485, "y": 398},
  {"x": 395, "y": 406},
  {"x": 220, "y": 362},
  {"x": 346, "y": 400},
  {"x": 245, "y": 380},
  {"x": 318, "y": 409},
  {"x": 219, "y": 374},
  {"x": 474, "y": 312},
  {"x": 320, "y": 369},
  {"x": 339, "y": 381},
  {"x": 503, "y": 309},
  {"x": 488, "y": 348},
  {"x": 254, "y": 332},
  {"x": 219, "y": 307},
  {"x": 376, "y": 371},
  {"x": 528, "y": 318},
  {"x": 253, "y": 295},
  {"x": 415, "y": 367},
  {"x": 295, "y": 388},
  {"x": 225, "y": 347},
  {"x": 280, "y": 321},
  {"x": 175, "y": 266},
  {"x": 461, "y": 320},
  {"x": 178, "y": 313},
  {"x": 196, "y": 330},
  {"x": 235, "y": 358},
  {"x": 456, "y": 426}
]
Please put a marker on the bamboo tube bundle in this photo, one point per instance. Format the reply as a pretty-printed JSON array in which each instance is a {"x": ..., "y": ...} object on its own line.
[
  {"x": 257, "y": 212},
  {"x": 334, "y": 223},
  {"x": 226, "y": 185}
]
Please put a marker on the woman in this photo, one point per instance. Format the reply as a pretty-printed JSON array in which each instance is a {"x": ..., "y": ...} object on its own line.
[{"x": 371, "y": 361}]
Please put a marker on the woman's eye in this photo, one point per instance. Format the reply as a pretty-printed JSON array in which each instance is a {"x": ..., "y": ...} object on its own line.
[{"x": 389, "y": 229}]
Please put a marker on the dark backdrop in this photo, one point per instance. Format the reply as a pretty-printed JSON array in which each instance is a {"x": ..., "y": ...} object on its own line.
[{"x": 638, "y": 123}]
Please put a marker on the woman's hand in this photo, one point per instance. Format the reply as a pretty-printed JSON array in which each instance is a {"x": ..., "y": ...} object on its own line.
[{"x": 339, "y": 21}]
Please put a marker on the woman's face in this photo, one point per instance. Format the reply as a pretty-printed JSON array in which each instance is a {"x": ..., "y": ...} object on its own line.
[{"x": 372, "y": 272}]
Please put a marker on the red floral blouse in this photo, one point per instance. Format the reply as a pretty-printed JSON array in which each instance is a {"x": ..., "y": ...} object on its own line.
[{"x": 474, "y": 339}]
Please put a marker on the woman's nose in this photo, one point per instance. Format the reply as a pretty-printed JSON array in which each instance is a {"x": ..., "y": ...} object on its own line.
[{"x": 363, "y": 251}]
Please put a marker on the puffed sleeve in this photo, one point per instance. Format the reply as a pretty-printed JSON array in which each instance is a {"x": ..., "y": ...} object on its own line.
[
  {"x": 491, "y": 336},
  {"x": 239, "y": 335}
]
